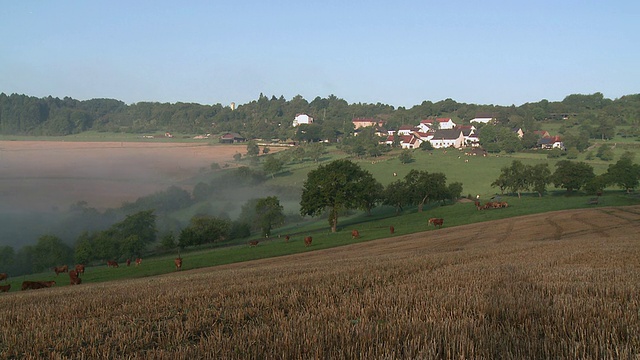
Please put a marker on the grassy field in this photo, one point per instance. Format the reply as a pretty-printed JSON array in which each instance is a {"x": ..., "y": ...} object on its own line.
[{"x": 559, "y": 285}]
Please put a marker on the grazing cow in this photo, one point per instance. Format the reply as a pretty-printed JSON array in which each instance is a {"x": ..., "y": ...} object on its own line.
[
  {"x": 307, "y": 240},
  {"x": 60, "y": 269},
  {"x": 75, "y": 279},
  {"x": 253, "y": 243},
  {"x": 178, "y": 262},
  {"x": 392, "y": 229},
  {"x": 80, "y": 268},
  {"x": 436, "y": 222},
  {"x": 128, "y": 262},
  {"x": 3, "y": 276},
  {"x": 138, "y": 261},
  {"x": 286, "y": 238},
  {"x": 355, "y": 234},
  {"x": 34, "y": 285},
  {"x": 5, "y": 288},
  {"x": 478, "y": 205},
  {"x": 111, "y": 263},
  {"x": 504, "y": 204}
]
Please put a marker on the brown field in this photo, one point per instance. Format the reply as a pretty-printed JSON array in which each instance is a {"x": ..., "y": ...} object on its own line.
[
  {"x": 41, "y": 175},
  {"x": 560, "y": 285}
]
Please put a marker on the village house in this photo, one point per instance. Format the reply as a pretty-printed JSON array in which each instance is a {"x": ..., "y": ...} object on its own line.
[
  {"x": 366, "y": 122},
  {"x": 231, "y": 138},
  {"x": 445, "y": 123},
  {"x": 302, "y": 119},
  {"x": 551, "y": 142},
  {"x": 448, "y": 138}
]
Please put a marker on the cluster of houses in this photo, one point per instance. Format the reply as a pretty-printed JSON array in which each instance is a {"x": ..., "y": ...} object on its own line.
[{"x": 440, "y": 132}]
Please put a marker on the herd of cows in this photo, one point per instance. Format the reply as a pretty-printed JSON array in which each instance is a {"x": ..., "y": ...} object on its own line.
[{"x": 74, "y": 274}]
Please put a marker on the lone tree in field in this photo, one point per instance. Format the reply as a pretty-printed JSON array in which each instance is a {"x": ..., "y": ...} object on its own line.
[
  {"x": 269, "y": 213},
  {"x": 572, "y": 175},
  {"x": 335, "y": 187}
]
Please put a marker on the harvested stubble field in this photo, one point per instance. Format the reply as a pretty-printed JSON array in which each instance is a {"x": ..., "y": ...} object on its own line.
[{"x": 560, "y": 285}]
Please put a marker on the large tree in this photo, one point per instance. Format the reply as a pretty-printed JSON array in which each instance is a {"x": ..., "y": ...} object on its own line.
[
  {"x": 335, "y": 187},
  {"x": 424, "y": 187},
  {"x": 572, "y": 175},
  {"x": 624, "y": 173}
]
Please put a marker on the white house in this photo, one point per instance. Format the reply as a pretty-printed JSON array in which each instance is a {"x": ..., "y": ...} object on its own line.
[
  {"x": 406, "y": 130},
  {"x": 447, "y": 138},
  {"x": 425, "y": 125},
  {"x": 302, "y": 119},
  {"x": 446, "y": 123}
]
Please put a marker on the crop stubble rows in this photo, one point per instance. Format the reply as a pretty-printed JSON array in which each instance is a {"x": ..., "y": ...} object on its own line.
[{"x": 513, "y": 288}]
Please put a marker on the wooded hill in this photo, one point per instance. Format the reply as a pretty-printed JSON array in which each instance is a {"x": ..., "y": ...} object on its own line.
[{"x": 269, "y": 118}]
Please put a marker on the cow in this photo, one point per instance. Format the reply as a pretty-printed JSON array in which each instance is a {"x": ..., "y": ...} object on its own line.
[
  {"x": 75, "y": 279},
  {"x": 355, "y": 234},
  {"x": 111, "y": 263},
  {"x": 3, "y": 276},
  {"x": 80, "y": 268},
  {"x": 478, "y": 205},
  {"x": 504, "y": 204},
  {"x": 60, "y": 269},
  {"x": 34, "y": 285},
  {"x": 5, "y": 288},
  {"x": 178, "y": 262},
  {"x": 138, "y": 261},
  {"x": 307, "y": 240},
  {"x": 392, "y": 229},
  {"x": 286, "y": 238},
  {"x": 436, "y": 222},
  {"x": 253, "y": 243},
  {"x": 128, "y": 262}
]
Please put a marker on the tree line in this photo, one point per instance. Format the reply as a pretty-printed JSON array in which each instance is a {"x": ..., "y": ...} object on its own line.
[{"x": 592, "y": 116}]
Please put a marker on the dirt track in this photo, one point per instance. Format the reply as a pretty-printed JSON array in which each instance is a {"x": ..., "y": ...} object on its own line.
[{"x": 41, "y": 175}]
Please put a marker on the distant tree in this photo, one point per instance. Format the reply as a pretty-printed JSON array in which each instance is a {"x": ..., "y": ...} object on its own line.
[
  {"x": 168, "y": 241},
  {"x": 513, "y": 178},
  {"x": 237, "y": 156},
  {"x": 204, "y": 230},
  {"x": 424, "y": 187},
  {"x": 332, "y": 188},
  {"x": 273, "y": 165},
  {"x": 50, "y": 251},
  {"x": 539, "y": 176},
  {"x": 572, "y": 175},
  {"x": 624, "y": 173},
  {"x": 454, "y": 190},
  {"x": 315, "y": 151},
  {"x": 426, "y": 145},
  {"x": 395, "y": 194},
  {"x": 265, "y": 150},
  {"x": 529, "y": 140},
  {"x": 7, "y": 257},
  {"x": 252, "y": 149},
  {"x": 405, "y": 156},
  {"x": 605, "y": 153},
  {"x": 269, "y": 213}
]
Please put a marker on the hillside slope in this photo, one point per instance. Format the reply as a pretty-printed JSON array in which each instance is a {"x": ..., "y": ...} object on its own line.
[{"x": 554, "y": 285}]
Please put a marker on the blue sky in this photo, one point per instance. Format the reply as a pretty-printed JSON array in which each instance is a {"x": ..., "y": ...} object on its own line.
[{"x": 402, "y": 53}]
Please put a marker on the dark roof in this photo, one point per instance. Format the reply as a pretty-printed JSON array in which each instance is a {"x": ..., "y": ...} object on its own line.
[{"x": 447, "y": 134}]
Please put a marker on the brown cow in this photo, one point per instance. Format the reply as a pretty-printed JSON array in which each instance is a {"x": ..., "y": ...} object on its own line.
[
  {"x": 286, "y": 238},
  {"x": 80, "y": 268},
  {"x": 436, "y": 222},
  {"x": 3, "y": 276},
  {"x": 75, "y": 279},
  {"x": 138, "y": 261},
  {"x": 60, "y": 269},
  {"x": 253, "y": 243},
  {"x": 355, "y": 234},
  {"x": 128, "y": 262},
  {"x": 5, "y": 288},
  {"x": 392, "y": 229},
  {"x": 111, "y": 263},
  {"x": 178, "y": 262},
  {"x": 307, "y": 241},
  {"x": 34, "y": 285}
]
